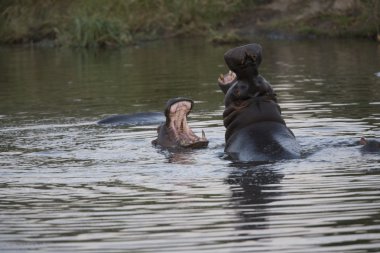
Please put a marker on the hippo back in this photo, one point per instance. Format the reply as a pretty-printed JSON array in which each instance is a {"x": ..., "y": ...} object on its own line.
[
  {"x": 263, "y": 141},
  {"x": 257, "y": 132}
]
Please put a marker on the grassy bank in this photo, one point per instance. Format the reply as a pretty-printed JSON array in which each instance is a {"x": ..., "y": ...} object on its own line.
[
  {"x": 92, "y": 23},
  {"x": 360, "y": 21},
  {"x": 110, "y": 23}
]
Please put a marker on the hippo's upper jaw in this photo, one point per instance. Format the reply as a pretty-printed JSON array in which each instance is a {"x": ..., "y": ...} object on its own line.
[
  {"x": 176, "y": 132},
  {"x": 244, "y": 60}
]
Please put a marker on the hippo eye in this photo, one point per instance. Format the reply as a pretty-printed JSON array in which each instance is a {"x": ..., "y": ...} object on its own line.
[
  {"x": 253, "y": 57},
  {"x": 249, "y": 58}
]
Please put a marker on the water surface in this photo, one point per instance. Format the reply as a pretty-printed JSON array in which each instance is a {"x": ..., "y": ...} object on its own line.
[{"x": 70, "y": 185}]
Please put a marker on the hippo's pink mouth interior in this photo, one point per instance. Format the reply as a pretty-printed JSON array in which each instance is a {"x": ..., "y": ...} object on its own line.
[
  {"x": 228, "y": 78},
  {"x": 178, "y": 124}
]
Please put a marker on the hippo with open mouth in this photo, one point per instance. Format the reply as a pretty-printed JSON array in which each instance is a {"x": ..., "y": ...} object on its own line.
[
  {"x": 175, "y": 131},
  {"x": 255, "y": 129},
  {"x": 243, "y": 63}
]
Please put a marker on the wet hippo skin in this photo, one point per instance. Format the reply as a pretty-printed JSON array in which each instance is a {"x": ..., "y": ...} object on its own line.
[
  {"x": 255, "y": 129},
  {"x": 369, "y": 145}
]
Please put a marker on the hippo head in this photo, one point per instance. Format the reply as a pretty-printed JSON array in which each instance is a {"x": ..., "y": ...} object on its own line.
[
  {"x": 175, "y": 132},
  {"x": 244, "y": 60},
  {"x": 243, "y": 63}
]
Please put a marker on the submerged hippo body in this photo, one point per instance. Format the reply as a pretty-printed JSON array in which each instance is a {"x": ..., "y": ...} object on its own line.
[
  {"x": 369, "y": 145},
  {"x": 255, "y": 129},
  {"x": 175, "y": 131},
  {"x": 135, "y": 119}
]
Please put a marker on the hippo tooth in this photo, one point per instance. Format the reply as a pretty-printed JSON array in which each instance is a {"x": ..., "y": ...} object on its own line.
[
  {"x": 203, "y": 134},
  {"x": 221, "y": 77},
  {"x": 183, "y": 143}
]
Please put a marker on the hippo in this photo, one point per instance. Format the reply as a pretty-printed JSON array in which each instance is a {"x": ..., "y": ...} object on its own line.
[
  {"x": 369, "y": 146},
  {"x": 255, "y": 129},
  {"x": 175, "y": 132},
  {"x": 243, "y": 63}
]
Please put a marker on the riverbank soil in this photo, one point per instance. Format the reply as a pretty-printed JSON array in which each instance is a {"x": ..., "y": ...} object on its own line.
[{"x": 300, "y": 18}]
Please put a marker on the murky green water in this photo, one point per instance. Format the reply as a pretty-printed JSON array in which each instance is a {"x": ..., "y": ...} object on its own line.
[{"x": 69, "y": 185}]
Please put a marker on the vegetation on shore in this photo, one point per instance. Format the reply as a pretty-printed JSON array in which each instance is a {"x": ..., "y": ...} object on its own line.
[
  {"x": 93, "y": 23},
  {"x": 360, "y": 21},
  {"x": 98, "y": 23}
]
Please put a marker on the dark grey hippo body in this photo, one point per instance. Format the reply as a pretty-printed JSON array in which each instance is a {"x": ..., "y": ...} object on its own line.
[
  {"x": 369, "y": 145},
  {"x": 135, "y": 119},
  {"x": 255, "y": 129}
]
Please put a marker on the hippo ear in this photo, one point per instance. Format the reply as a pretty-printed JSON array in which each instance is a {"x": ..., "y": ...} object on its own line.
[{"x": 363, "y": 141}]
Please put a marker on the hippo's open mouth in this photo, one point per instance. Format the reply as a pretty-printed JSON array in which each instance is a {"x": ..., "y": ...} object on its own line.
[
  {"x": 227, "y": 79},
  {"x": 176, "y": 121}
]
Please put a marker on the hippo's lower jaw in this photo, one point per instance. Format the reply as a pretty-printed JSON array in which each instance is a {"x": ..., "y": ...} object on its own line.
[
  {"x": 179, "y": 127},
  {"x": 176, "y": 132},
  {"x": 225, "y": 81}
]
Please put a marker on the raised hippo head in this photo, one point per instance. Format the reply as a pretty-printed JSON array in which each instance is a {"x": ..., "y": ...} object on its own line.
[
  {"x": 243, "y": 77},
  {"x": 244, "y": 60},
  {"x": 175, "y": 132},
  {"x": 243, "y": 63}
]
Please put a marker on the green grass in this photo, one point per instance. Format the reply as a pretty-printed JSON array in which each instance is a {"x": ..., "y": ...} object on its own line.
[
  {"x": 94, "y": 23},
  {"x": 113, "y": 23}
]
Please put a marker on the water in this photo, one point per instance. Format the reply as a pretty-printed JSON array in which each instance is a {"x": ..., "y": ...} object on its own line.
[{"x": 69, "y": 185}]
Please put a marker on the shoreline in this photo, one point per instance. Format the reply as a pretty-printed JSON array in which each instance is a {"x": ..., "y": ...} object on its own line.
[{"x": 81, "y": 24}]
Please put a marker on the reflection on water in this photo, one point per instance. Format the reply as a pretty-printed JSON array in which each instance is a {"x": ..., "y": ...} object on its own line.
[
  {"x": 252, "y": 189},
  {"x": 69, "y": 185}
]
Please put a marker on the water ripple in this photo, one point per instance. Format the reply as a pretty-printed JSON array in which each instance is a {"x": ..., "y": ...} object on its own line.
[{"x": 69, "y": 185}]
